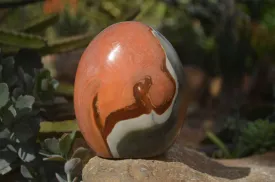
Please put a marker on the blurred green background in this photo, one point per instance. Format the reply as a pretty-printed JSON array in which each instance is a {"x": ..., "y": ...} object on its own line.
[{"x": 226, "y": 47}]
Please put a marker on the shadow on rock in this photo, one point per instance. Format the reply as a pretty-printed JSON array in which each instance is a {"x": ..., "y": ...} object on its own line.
[{"x": 202, "y": 163}]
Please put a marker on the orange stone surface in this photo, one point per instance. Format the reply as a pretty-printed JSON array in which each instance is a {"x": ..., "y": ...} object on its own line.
[{"x": 129, "y": 92}]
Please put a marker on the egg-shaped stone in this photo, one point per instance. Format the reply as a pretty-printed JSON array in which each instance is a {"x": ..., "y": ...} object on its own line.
[{"x": 130, "y": 92}]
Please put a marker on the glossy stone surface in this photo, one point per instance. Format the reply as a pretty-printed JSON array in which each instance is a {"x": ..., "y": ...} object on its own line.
[{"x": 129, "y": 92}]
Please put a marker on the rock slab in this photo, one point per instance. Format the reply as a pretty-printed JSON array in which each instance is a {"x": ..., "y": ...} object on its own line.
[{"x": 183, "y": 165}]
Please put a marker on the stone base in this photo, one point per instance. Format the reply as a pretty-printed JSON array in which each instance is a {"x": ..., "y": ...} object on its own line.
[{"x": 181, "y": 164}]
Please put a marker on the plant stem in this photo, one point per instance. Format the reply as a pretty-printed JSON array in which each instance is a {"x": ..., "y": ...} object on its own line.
[
  {"x": 69, "y": 178},
  {"x": 219, "y": 143}
]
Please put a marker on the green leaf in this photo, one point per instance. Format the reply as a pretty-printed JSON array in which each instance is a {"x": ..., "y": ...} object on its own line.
[
  {"x": 65, "y": 143},
  {"x": 31, "y": 129},
  {"x": 42, "y": 74},
  {"x": 219, "y": 143},
  {"x": 24, "y": 102},
  {"x": 25, "y": 172},
  {"x": 55, "y": 158},
  {"x": 145, "y": 8},
  {"x": 9, "y": 115},
  {"x": 40, "y": 23},
  {"x": 8, "y": 50},
  {"x": 65, "y": 89},
  {"x": 45, "y": 153},
  {"x": 61, "y": 126},
  {"x": 67, "y": 44},
  {"x": 54, "y": 83},
  {"x": 21, "y": 40},
  {"x": 6, "y": 169},
  {"x": 72, "y": 23},
  {"x": 60, "y": 178},
  {"x": 82, "y": 153},
  {"x": 4, "y": 142},
  {"x": 4, "y": 94},
  {"x": 11, "y": 81},
  {"x": 7, "y": 158},
  {"x": 5, "y": 133},
  {"x": 52, "y": 145},
  {"x": 17, "y": 92},
  {"x": 26, "y": 154},
  {"x": 131, "y": 15},
  {"x": 44, "y": 85},
  {"x": 26, "y": 114},
  {"x": 44, "y": 88},
  {"x": 28, "y": 83},
  {"x": 15, "y": 3},
  {"x": 73, "y": 166},
  {"x": 12, "y": 148},
  {"x": 255, "y": 138},
  {"x": 8, "y": 72}
]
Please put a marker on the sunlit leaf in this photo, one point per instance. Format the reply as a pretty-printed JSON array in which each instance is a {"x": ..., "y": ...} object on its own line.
[
  {"x": 73, "y": 166},
  {"x": 65, "y": 143},
  {"x": 25, "y": 172}
]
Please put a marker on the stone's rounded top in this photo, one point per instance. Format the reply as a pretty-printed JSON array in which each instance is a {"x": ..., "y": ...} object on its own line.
[
  {"x": 126, "y": 45},
  {"x": 126, "y": 92}
]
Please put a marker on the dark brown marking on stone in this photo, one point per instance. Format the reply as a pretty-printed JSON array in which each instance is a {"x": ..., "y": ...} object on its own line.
[
  {"x": 143, "y": 104},
  {"x": 98, "y": 123},
  {"x": 96, "y": 114}
]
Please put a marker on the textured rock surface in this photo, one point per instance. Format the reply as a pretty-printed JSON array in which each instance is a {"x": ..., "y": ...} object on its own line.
[{"x": 181, "y": 164}]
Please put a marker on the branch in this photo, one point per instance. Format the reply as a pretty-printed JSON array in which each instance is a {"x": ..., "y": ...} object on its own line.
[{"x": 17, "y": 3}]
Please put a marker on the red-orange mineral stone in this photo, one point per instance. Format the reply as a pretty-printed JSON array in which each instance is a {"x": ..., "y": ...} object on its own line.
[{"x": 129, "y": 92}]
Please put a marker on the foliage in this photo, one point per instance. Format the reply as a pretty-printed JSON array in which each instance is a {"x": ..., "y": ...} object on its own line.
[
  {"x": 59, "y": 150},
  {"x": 20, "y": 119},
  {"x": 22, "y": 99},
  {"x": 251, "y": 138},
  {"x": 204, "y": 26},
  {"x": 59, "y": 32},
  {"x": 230, "y": 39},
  {"x": 230, "y": 30},
  {"x": 16, "y": 3},
  {"x": 40, "y": 23},
  {"x": 257, "y": 137},
  {"x": 12, "y": 41},
  {"x": 58, "y": 127},
  {"x": 32, "y": 34},
  {"x": 21, "y": 40},
  {"x": 72, "y": 23}
]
